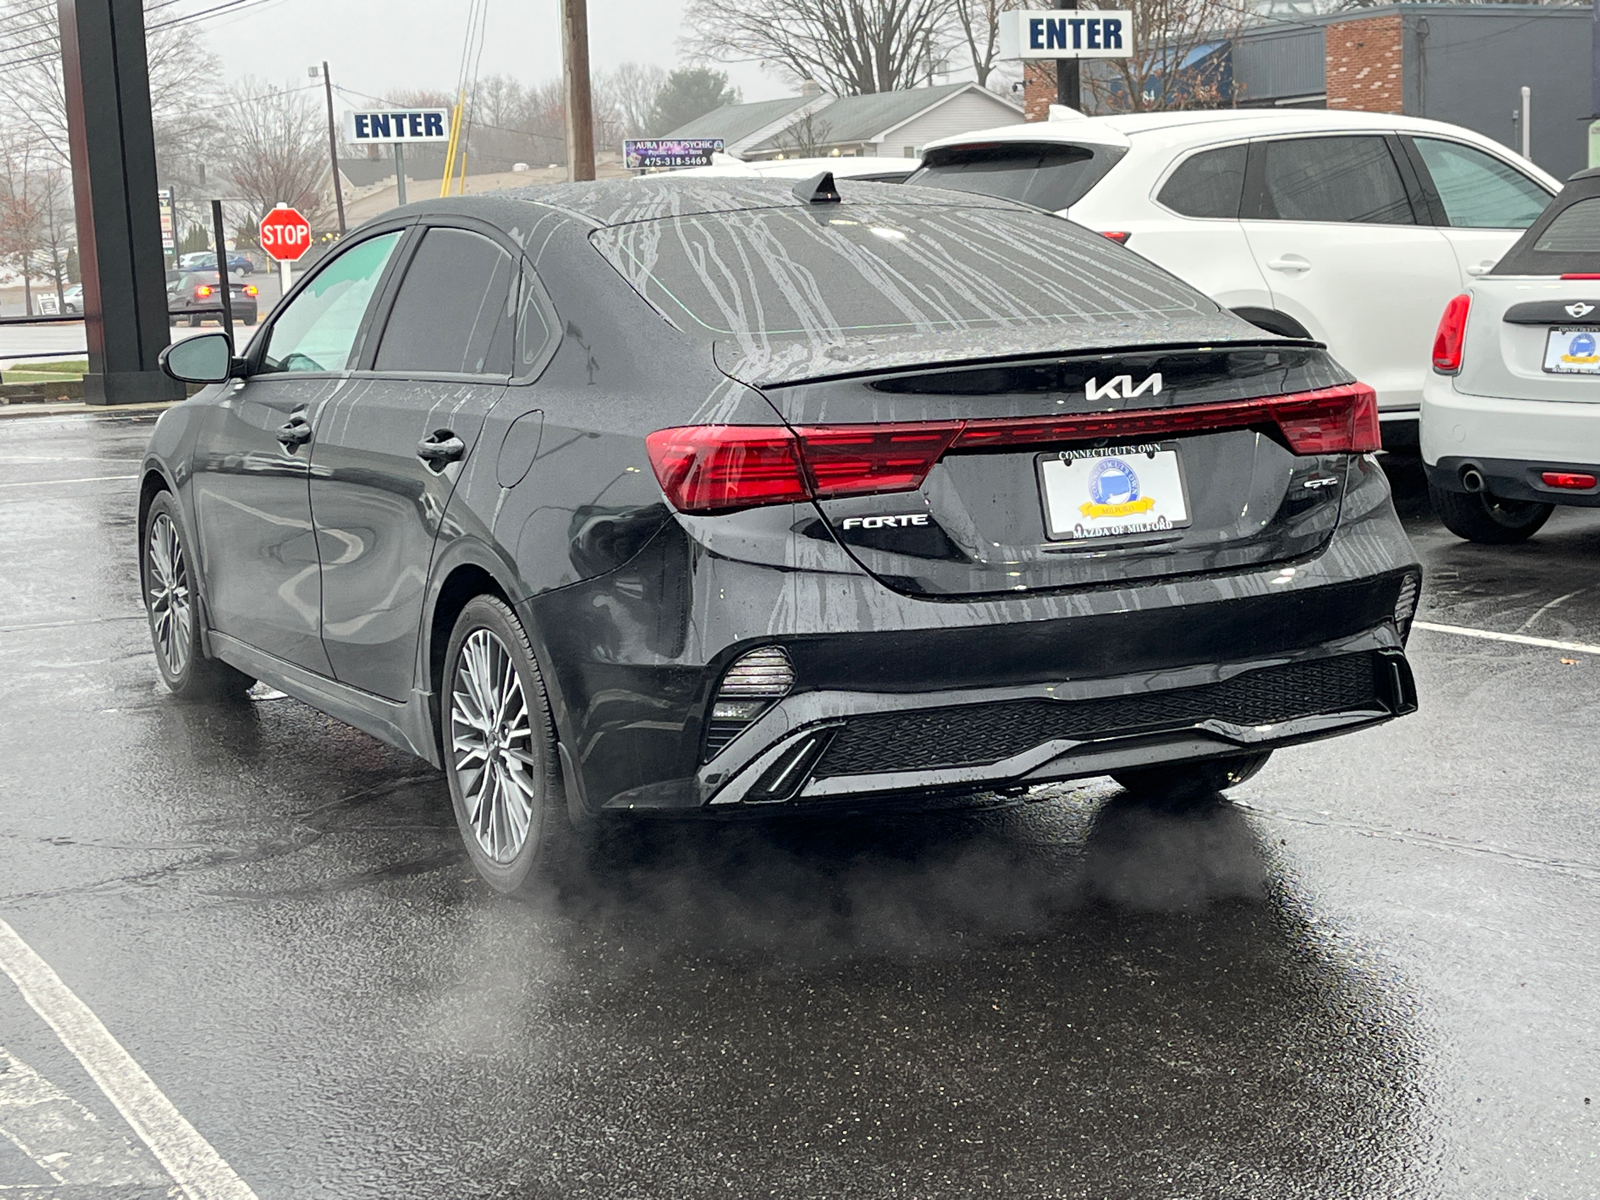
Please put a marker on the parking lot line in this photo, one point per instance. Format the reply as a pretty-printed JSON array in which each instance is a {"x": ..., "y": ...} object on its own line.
[
  {"x": 90, "y": 479},
  {"x": 191, "y": 1161},
  {"x": 1520, "y": 639}
]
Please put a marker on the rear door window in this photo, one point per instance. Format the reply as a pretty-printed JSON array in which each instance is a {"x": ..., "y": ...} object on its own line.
[
  {"x": 1479, "y": 191},
  {"x": 1052, "y": 177},
  {"x": 454, "y": 312},
  {"x": 1208, "y": 184},
  {"x": 317, "y": 332},
  {"x": 1343, "y": 179}
]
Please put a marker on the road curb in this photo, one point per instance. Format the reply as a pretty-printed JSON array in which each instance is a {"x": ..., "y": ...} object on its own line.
[{"x": 57, "y": 409}]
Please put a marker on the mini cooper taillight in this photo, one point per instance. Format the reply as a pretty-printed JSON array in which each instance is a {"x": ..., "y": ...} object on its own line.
[{"x": 1452, "y": 333}]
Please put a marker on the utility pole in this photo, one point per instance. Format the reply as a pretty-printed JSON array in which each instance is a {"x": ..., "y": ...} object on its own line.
[
  {"x": 1067, "y": 80},
  {"x": 333, "y": 145},
  {"x": 106, "y": 83},
  {"x": 580, "y": 109}
]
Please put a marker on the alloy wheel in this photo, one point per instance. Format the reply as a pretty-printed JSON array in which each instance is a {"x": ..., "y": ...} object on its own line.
[
  {"x": 491, "y": 739},
  {"x": 168, "y": 595}
]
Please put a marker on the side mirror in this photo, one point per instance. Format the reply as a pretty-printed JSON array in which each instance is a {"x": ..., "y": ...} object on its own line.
[{"x": 205, "y": 358}]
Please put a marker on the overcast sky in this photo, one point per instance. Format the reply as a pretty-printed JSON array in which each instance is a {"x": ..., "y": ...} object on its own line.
[{"x": 378, "y": 46}]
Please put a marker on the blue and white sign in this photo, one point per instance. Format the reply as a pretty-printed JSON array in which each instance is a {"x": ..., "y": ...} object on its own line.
[
  {"x": 643, "y": 154},
  {"x": 397, "y": 125},
  {"x": 1067, "y": 33}
]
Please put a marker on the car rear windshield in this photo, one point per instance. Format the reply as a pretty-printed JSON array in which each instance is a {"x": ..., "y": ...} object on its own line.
[
  {"x": 1565, "y": 240},
  {"x": 1053, "y": 177},
  {"x": 857, "y": 268}
]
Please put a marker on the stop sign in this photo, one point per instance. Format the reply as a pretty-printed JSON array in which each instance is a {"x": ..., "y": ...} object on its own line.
[{"x": 285, "y": 234}]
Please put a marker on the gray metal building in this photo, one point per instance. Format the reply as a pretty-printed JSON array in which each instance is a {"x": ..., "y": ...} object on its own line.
[{"x": 1463, "y": 63}]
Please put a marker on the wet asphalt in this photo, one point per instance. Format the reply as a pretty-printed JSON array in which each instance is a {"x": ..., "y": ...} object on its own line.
[{"x": 1374, "y": 973}]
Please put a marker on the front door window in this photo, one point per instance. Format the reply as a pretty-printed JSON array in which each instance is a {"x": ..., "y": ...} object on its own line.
[{"x": 317, "y": 331}]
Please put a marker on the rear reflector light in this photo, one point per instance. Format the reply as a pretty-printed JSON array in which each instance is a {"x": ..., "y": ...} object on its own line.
[
  {"x": 1405, "y": 603},
  {"x": 718, "y": 468},
  {"x": 1575, "y": 480},
  {"x": 1119, "y": 236},
  {"x": 1585, "y": 275},
  {"x": 1452, "y": 331}
]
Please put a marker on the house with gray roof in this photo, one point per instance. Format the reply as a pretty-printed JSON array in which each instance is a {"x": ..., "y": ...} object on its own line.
[{"x": 892, "y": 124}]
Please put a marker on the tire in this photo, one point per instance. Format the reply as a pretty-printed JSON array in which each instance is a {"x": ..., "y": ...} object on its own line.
[
  {"x": 171, "y": 602},
  {"x": 1192, "y": 780},
  {"x": 493, "y": 710},
  {"x": 1490, "y": 520}
]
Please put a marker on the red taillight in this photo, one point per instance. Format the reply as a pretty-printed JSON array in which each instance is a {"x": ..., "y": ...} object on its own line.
[
  {"x": 1575, "y": 480},
  {"x": 712, "y": 468},
  {"x": 717, "y": 468},
  {"x": 853, "y": 460},
  {"x": 1119, "y": 236},
  {"x": 1585, "y": 275},
  {"x": 1336, "y": 420},
  {"x": 1452, "y": 331},
  {"x": 201, "y": 292},
  {"x": 250, "y": 289}
]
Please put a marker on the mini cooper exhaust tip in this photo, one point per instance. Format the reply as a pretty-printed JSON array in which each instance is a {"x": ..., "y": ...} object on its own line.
[{"x": 1472, "y": 479}]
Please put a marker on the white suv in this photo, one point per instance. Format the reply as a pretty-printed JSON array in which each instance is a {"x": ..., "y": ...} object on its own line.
[{"x": 1351, "y": 228}]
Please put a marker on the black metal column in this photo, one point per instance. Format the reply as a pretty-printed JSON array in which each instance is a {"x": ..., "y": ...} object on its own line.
[
  {"x": 113, "y": 150},
  {"x": 1068, "y": 88}
]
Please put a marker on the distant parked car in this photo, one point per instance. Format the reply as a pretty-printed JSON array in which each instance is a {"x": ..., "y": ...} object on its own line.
[
  {"x": 205, "y": 260},
  {"x": 72, "y": 299},
  {"x": 868, "y": 170},
  {"x": 193, "y": 294},
  {"x": 1511, "y": 410},
  {"x": 1349, "y": 228}
]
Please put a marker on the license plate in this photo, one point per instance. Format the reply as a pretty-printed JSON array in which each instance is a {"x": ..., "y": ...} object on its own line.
[
  {"x": 1573, "y": 351},
  {"x": 1113, "y": 492}
]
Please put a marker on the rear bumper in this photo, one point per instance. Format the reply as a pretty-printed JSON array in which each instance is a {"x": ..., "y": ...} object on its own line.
[
  {"x": 1456, "y": 425},
  {"x": 836, "y": 745},
  {"x": 1510, "y": 442}
]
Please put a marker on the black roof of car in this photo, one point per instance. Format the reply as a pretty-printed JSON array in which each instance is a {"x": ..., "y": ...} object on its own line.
[{"x": 611, "y": 202}]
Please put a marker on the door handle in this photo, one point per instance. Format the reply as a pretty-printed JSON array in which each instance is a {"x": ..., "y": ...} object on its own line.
[
  {"x": 296, "y": 433},
  {"x": 1289, "y": 262},
  {"x": 441, "y": 448}
]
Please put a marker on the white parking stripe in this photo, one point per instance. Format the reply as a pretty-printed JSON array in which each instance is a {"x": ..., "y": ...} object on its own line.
[
  {"x": 1520, "y": 639},
  {"x": 189, "y": 1159},
  {"x": 49, "y": 482},
  {"x": 64, "y": 1139}
]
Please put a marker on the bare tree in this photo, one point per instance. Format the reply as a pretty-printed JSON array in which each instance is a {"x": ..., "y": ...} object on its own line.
[
  {"x": 851, "y": 47},
  {"x": 631, "y": 91},
  {"x": 184, "y": 79},
  {"x": 1167, "y": 69},
  {"x": 806, "y": 138},
  {"x": 978, "y": 22},
  {"x": 276, "y": 152}
]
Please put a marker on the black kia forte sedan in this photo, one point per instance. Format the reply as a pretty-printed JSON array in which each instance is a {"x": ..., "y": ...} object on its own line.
[{"x": 730, "y": 496}]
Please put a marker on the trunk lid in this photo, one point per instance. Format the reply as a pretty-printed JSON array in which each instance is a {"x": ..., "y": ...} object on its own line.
[
  {"x": 1517, "y": 327},
  {"x": 1014, "y": 512}
]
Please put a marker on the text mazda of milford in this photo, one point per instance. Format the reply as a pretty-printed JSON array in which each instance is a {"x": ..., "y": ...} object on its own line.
[{"x": 733, "y": 497}]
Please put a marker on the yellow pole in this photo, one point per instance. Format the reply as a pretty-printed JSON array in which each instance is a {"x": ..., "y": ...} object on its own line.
[{"x": 450, "y": 149}]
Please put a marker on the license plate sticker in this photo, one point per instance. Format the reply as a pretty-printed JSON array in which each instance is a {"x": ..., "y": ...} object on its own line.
[
  {"x": 1114, "y": 492},
  {"x": 1572, "y": 352}
]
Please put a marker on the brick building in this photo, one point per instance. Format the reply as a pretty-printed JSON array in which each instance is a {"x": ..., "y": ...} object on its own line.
[{"x": 1464, "y": 63}]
